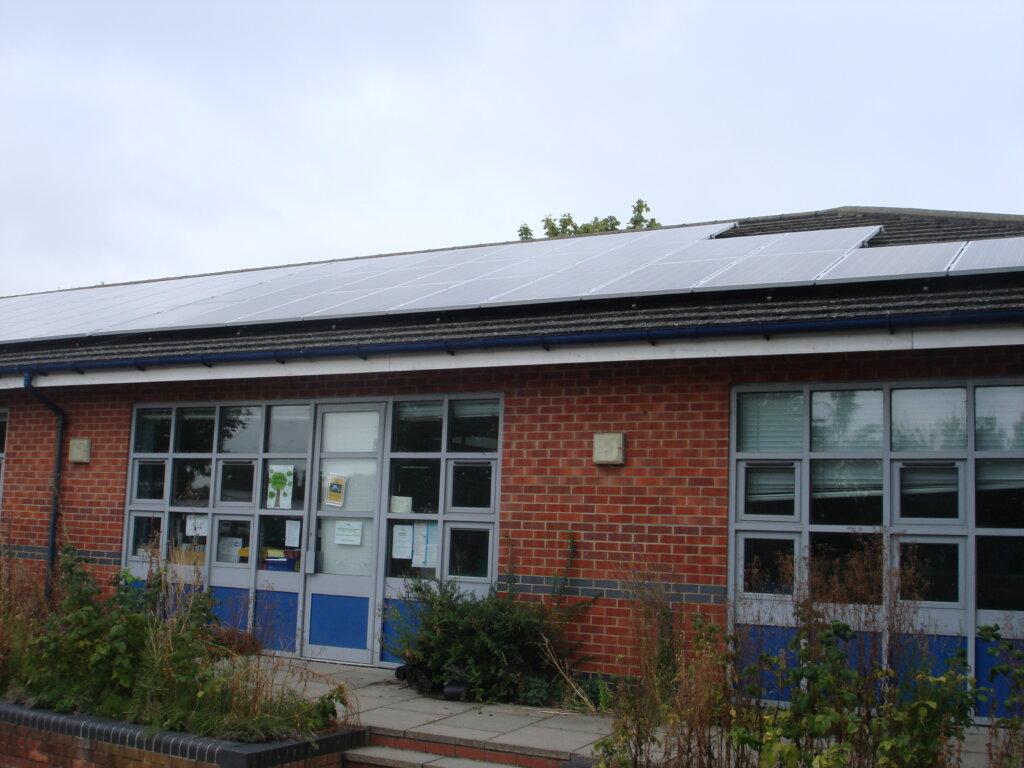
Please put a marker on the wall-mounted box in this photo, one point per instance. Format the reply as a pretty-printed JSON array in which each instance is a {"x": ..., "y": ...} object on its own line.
[
  {"x": 79, "y": 450},
  {"x": 609, "y": 448}
]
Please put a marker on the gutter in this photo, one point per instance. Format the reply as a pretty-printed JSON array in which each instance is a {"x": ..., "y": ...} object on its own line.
[
  {"x": 58, "y": 471},
  {"x": 545, "y": 341}
]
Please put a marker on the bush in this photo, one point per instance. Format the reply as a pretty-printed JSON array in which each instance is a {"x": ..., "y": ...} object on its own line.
[
  {"x": 497, "y": 645},
  {"x": 151, "y": 655}
]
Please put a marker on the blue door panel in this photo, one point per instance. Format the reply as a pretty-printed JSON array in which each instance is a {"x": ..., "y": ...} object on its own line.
[
  {"x": 339, "y": 621},
  {"x": 276, "y": 618}
]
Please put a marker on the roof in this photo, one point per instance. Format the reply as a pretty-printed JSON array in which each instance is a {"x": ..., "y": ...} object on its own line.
[{"x": 839, "y": 265}]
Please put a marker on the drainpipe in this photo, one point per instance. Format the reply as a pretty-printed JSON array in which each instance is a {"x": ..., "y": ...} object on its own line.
[{"x": 58, "y": 470}]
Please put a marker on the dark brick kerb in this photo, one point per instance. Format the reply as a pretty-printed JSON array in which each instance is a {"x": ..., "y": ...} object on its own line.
[{"x": 227, "y": 754}]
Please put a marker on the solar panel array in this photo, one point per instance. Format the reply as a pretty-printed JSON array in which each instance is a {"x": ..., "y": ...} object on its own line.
[{"x": 631, "y": 263}]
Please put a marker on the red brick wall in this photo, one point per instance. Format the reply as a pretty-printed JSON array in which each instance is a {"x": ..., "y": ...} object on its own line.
[
  {"x": 664, "y": 512},
  {"x": 24, "y": 747}
]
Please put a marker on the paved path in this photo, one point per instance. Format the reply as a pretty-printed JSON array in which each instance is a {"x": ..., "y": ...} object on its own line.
[{"x": 384, "y": 702}]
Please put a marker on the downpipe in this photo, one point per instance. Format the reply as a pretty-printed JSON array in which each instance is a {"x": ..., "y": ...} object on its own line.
[{"x": 58, "y": 471}]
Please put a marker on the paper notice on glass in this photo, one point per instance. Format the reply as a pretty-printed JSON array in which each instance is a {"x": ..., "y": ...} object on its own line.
[
  {"x": 292, "y": 532},
  {"x": 195, "y": 525},
  {"x": 228, "y": 548},
  {"x": 401, "y": 505},
  {"x": 335, "y": 490},
  {"x": 280, "y": 480},
  {"x": 424, "y": 545},
  {"x": 348, "y": 532},
  {"x": 401, "y": 542}
]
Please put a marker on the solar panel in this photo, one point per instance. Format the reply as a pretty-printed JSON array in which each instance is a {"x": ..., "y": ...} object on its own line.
[
  {"x": 631, "y": 263},
  {"x": 769, "y": 271},
  {"x": 903, "y": 261},
  {"x": 659, "y": 279},
  {"x": 1002, "y": 255}
]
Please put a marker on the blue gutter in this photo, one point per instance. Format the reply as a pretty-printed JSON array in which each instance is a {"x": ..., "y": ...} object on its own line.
[
  {"x": 58, "y": 471},
  {"x": 766, "y": 330}
]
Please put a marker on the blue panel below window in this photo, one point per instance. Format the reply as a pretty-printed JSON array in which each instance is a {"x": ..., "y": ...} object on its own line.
[
  {"x": 395, "y": 611},
  {"x": 757, "y": 642},
  {"x": 993, "y": 705},
  {"x": 339, "y": 621},
  {"x": 231, "y": 606},
  {"x": 931, "y": 654},
  {"x": 275, "y": 619}
]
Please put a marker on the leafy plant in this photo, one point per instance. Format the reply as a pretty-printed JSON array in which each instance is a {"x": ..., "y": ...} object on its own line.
[
  {"x": 155, "y": 656},
  {"x": 1006, "y": 734}
]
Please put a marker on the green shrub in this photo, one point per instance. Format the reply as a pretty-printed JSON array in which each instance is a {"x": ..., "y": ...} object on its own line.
[
  {"x": 496, "y": 644},
  {"x": 151, "y": 655}
]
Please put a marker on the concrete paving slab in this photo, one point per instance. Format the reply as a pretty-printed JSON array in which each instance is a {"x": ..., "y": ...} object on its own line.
[
  {"x": 436, "y": 706},
  {"x": 459, "y": 762},
  {"x": 397, "y": 719},
  {"x": 599, "y": 725},
  {"x": 489, "y": 718},
  {"x": 544, "y": 738},
  {"x": 452, "y": 734}
]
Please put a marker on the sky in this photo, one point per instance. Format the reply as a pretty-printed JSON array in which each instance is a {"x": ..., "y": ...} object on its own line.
[{"x": 142, "y": 138}]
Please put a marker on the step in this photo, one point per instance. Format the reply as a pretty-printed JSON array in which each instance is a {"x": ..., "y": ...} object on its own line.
[{"x": 395, "y": 757}]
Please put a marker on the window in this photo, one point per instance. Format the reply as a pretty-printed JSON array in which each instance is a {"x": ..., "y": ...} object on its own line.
[
  {"x": 193, "y": 466},
  {"x": 229, "y": 486},
  {"x": 442, "y": 488},
  {"x": 925, "y": 478}
]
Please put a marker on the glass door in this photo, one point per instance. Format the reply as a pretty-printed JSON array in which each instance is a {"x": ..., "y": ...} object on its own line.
[{"x": 340, "y": 603}]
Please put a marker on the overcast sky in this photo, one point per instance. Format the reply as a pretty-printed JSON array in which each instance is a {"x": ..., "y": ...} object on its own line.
[{"x": 143, "y": 139}]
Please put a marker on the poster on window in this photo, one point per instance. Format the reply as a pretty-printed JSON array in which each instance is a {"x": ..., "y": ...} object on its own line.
[
  {"x": 335, "y": 491},
  {"x": 280, "y": 480},
  {"x": 424, "y": 545}
]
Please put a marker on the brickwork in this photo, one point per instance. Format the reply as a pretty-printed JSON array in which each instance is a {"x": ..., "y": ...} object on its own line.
[
  {"x": 663, "y": 515},
  {"x": 41, "y": 739}
]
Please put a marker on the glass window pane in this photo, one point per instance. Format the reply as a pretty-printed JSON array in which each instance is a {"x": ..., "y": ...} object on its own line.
[
  {"x": 149, "y": 481},
  {"x": 846, "y": 567},
  {"x": 469, "y": 553},
  {"x": 194, "y": 430},
  {"x": 280, "y": 544},
  {"x": 237, "y": 479},
  {"x": 471, "y": 484},
  {"x": 770, "y": 491},
  {"x": 289, "y": 428},
  {"x": 187, "y": 538},
  {"x": 929, "y": 419},
  {"x": 930, "y": 572},
  {"x": 846, "y": 492},
  {"x": 846, "y": 420},
  {"x": 930, "y": 492},
  {"x": 146, "y": 536},
  {"x": 412, "y": 549},
  {"x": 233, "y": 541},
  {"x": 473, "y": 426},
  {"x": 770, "y": 421},
  {"x": 240, "y": 429},
  {"x": 351, "y": 432},
  {"x": 415, "y": 486},
  {"x": 999, "y": 493},
  {"x": 191, "y": 483},
  {"x": 284, "y": 484},
  {"x": 768, "y": 566},
  {"x": 345, "y": 546},
  {"x": 999, "y": 418},
  {"x": 153, "y": 430},
  {"x": 1000, "y": 564},
  {"x": 417, "y": 427},
  {"x": 3, "y": 431},
  {"x": 348, "y": 484}
]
